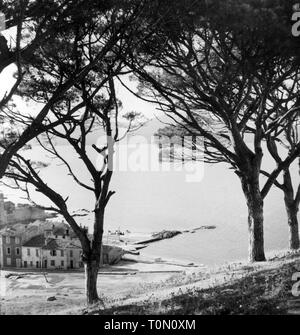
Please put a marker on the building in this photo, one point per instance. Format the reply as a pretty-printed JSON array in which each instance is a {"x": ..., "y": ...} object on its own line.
[
  {"x": 31, "y": 252},
  {"x": 10, "y": 248},
  {"x": 47, "y": 245},
  {"x": 3, "y": 215},
  {"x": 20, "y": 213},
  {"x": 58, "y": 253},
  {"x": 26, "y": 231},
  {"x": 24, "y": 213},
  {"x": 46, "y": 252}
]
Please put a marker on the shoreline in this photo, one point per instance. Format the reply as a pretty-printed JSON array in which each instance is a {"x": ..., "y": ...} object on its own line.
[{"x": 133, "y": 243}]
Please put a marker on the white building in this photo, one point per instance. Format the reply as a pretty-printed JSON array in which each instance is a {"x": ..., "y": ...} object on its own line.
[
  {"x": 56, "y": 248},
  {"x": 51, "y": 253}
]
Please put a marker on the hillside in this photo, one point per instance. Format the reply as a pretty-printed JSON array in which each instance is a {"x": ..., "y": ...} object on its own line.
[
  {"x": 142, "y": 288},
  {"x": 261, "y": 289}
]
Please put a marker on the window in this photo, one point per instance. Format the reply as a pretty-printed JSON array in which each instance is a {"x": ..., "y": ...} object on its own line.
[
  {"x": 28, "y": 252},
  {"x": 62, "y": 263},
  {"x": 8, "y": 261},
  {"x": 17, "y": 251},
  {"x": 71, "y": 253},
  {"x": 17, "y": 240},
  {"x": 52, "y": 263},
  {"x": 62, "y": 253},
  {"x": 37, "y": 252},
  {"x": 7, "y": 240},
  {"x": 31, "y": 263},
  {"x": 53, "y": 252},
  {"x": 8, "y": 251}
]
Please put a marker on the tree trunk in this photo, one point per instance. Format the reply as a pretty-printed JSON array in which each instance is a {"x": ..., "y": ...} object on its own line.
[
  {"x": 91, "y": 275},
  {"x": 255, "y": 206},
  {"x": 93, "y": 257},
  {"x": 294, "y": 231},
  {"x": 291, "y": 210},
  {"x": 256, "y": 231}
]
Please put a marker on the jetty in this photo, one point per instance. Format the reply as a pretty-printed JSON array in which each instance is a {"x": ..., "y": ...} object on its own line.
[{"x": 166, "y": 234}]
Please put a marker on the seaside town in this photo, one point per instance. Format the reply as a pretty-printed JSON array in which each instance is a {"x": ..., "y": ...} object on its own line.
[{"x": 32, "y": 238}]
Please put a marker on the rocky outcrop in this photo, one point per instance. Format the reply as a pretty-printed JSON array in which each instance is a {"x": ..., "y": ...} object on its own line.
[
  {"x": 165, "y": 234},
  {"x": 160, "y": 236}
]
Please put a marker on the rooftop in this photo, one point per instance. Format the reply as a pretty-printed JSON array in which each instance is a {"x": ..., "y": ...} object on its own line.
[
  {"x": 36, "y": 241},
  {"x": 39, "y": 241},
  {"x": 9, "y": 232},
  {"x": 53, "y": 244}
]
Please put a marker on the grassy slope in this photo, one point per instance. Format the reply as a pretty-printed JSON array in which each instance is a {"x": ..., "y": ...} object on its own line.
[{"x": 264, "y": 289}]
